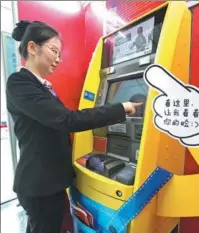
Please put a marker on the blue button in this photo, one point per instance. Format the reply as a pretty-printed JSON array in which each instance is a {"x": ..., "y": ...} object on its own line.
[{"x": 89, "y": 96}]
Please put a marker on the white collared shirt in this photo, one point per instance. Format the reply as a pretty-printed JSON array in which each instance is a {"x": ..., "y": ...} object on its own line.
[{"x": 42, "y": 80}]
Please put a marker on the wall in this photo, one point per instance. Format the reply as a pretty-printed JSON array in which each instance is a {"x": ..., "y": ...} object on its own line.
[
  {"x": 129, "y": 10},
  {"x": 93, "y": 31},
  {"x": 7, "y": 26},
  {"x": 7, "y": 171}
]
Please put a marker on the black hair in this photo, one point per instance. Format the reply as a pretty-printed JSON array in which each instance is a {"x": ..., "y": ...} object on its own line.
[
  {"x": 36, "y": 31},
  {"x": 140, "y": 28}
]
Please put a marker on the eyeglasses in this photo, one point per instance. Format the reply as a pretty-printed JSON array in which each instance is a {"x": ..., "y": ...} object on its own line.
[{"x": 54, "y": 51}]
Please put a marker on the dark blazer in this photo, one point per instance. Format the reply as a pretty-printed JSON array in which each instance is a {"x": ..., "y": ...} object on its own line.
[{"x": 42, "y": 125}]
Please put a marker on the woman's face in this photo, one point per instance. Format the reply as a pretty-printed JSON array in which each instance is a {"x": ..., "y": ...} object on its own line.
[{"x": 47, "y": 56}]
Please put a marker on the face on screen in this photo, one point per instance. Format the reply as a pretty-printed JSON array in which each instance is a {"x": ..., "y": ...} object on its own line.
[{"x": 134, "y": 90}]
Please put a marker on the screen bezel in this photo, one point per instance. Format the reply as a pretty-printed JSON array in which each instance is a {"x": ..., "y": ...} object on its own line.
[
  {"x": 159, "y": 19},
  {"x": 109, "y": 81},
  {"x": 137, "y": 55}
]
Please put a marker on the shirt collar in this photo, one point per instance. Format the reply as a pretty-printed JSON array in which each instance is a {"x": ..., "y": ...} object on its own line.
[{"x": 41, "y": 80}]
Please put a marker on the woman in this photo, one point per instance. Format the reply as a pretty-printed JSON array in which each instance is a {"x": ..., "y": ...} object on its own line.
[{"x": 42, "y": 125}]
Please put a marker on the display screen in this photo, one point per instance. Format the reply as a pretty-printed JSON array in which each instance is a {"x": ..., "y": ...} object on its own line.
[
  {"x": 134, "y": 90},
  {"x": 133, "y": 42}
]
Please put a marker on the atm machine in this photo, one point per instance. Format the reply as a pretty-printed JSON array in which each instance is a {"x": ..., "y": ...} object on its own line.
[{"x": 112, "y": 163}]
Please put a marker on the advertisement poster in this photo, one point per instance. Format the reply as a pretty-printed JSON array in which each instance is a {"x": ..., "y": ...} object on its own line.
[{"x": 9, "y": 54}]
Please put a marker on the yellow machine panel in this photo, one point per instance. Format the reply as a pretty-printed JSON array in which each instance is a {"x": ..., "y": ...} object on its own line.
[{"x": 168, "y": 46}]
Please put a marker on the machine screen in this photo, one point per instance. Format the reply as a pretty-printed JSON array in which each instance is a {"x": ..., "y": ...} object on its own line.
[
  {"x": 133, "y": 42},
  {"x": 134, "y": 90}
]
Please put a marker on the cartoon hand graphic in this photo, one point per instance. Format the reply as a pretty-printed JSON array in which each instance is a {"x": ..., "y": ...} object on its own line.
[{"x": 176, "y": 108}]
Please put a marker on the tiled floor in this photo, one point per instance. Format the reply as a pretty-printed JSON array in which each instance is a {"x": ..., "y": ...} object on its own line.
[{"x": 13, "y": 218}]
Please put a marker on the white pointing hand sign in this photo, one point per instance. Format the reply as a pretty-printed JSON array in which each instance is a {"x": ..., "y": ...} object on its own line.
[{"x": 176, "y": 108}]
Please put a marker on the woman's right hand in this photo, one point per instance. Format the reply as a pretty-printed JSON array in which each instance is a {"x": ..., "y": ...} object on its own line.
[{"x": 130, "y": 108}]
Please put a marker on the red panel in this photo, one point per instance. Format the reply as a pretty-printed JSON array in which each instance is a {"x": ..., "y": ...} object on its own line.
[
  {"x": 69, "y": 77},
  {"x": 99, "y": 144},
  {"x": 195, "y": 48},
  {"x": 94, "y": 31},
  {"x": 129, "y": 10},
  {"x": 191, "y": 225}
]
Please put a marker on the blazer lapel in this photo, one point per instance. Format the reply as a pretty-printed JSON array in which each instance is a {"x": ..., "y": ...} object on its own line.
[{"x": 35, "y": 80}]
